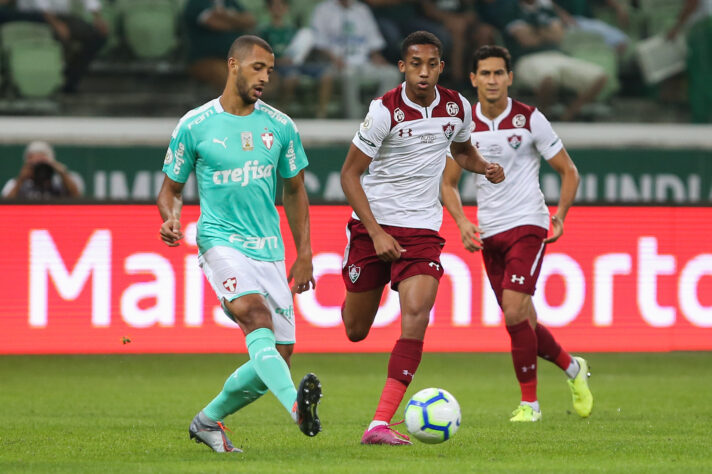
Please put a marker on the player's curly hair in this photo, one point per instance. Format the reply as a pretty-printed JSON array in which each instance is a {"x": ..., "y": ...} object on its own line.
[
  {"x": 420, "y": 37},
  {"x": 492, "y": 51}
]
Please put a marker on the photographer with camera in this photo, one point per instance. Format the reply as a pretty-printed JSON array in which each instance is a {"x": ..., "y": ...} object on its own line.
[{"x": 41, "y": 176}]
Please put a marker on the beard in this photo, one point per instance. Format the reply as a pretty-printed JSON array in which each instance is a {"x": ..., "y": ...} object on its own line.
[{"x": 243, "y": 90}]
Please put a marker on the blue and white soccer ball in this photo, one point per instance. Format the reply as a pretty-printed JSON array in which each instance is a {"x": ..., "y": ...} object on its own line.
[{"x": 432, "y": 415}]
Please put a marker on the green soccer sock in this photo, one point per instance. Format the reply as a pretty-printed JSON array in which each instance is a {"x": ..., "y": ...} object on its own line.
[
  {"x": 271, "y": 367},
  {"x": 241, "y": 388}
]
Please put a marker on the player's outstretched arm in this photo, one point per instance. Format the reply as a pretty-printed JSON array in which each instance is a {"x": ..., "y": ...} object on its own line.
[
  {"x": 296, "y": 207},
  {"x": 467, "y": 156},
  {"x": 387, "y": 248},
  {"x": 451, "y": 199},
  {"x": 566, "y": 168},
  {"x": 170, "y": 205}
]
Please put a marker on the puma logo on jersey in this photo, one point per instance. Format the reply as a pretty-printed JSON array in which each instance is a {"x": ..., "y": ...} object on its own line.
[
  {"x": 518, "y": 279},
  {"x": 433, "y": 264},
  {"x": 221, "y": 142}
]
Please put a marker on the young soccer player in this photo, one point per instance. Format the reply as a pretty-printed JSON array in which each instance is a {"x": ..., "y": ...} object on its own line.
[
  {"x": 513, "y": 222},
  {"x": 393, "y": 233},
  {"x": 237, "y": 144}
]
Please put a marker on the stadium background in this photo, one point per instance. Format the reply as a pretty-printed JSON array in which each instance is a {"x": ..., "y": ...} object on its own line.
[{"x": 633, "y": 272}]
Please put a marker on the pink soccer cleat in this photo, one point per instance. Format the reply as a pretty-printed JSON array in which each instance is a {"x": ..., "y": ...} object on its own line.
[{"x": 384, "y": 434}]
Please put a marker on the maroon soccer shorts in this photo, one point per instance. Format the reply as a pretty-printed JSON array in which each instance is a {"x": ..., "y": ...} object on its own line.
[
  {"x": 363, "y": 270},
  {"x": 513, "y": 259}
]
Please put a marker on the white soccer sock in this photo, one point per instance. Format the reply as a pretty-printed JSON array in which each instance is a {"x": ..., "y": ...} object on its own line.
[
  {"x": 573, "y": 369},
  {"x": 375, "y": 423},
  {"x": 534, "y": 405}
]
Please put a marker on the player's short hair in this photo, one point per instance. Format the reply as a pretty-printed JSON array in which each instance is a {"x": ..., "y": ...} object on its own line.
[
  {"x": 492, "y": 51},
  {"x": 243, "y": 45},
  {"x": 420, "y": 37}
]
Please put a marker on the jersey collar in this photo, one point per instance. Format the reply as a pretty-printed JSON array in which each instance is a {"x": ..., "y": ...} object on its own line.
[
  {"x": 425, "y": 111},
  {"x": 494, "y": 124},
  {"x": 218, "y": 106}
]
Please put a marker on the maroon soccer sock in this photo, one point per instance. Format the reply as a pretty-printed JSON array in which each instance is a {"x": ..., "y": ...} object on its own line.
[
  {"x": 402, "y": 365},
  {"x": 524, "y": 352},
  {"x": 549, "y": 349}
]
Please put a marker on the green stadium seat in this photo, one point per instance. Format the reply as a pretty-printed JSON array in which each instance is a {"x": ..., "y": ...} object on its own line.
[
  {"x": 33, "y": 61},
  {"x": 35, "y": 66},
  {"x": 21, "y": 30},
  {"x": 150, "y": 27}
]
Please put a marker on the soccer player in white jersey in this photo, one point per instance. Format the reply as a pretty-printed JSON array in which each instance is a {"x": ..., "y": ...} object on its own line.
[
  {"x": 237, "y": 144},
  {"x": 393, "y": 233},
  {"x": 513, "y": 221}
]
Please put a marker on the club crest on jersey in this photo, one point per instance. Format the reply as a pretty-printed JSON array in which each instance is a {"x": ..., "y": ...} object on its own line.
[
  {"x": 452, "y": 109},
  {"x": 449, "y": 130},
  {"x": 247, "y": 143},
  {"x": 367, "y": 122},
  {"x": 519, "y": 121},
  {"x": 515, "y": 141},
  {"x": 354, "y": 273},
  {"x": 230, "y": 284},
  {"x": 169, "y": 157},
  {"x": 267, "y": 139},
  {"x": 398, "y": 115}
]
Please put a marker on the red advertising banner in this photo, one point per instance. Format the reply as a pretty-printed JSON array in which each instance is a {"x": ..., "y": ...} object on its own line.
[{"x": 87, "y": 279}]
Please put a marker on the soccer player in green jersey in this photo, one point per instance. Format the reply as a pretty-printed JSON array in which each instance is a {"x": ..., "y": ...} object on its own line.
[{"x": 236, "y": 144}]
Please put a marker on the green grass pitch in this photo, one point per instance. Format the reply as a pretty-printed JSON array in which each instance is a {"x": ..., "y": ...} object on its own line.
[{"x": 652, "y": 413}]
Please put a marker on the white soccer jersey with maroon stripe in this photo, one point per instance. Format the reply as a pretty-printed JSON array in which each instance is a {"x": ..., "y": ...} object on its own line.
[
  {"x": 517, "y": 140},
  {"x": 408, "y": 145}
]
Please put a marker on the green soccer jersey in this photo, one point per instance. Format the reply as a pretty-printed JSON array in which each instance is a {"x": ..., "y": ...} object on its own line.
[{"x": 236, "y": 160}]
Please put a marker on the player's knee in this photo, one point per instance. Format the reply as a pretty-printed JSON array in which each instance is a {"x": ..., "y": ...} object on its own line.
[
  {"x": 415, "y": 323},
  {"x": 513, "y": 314},
  {"x": 257, "y": 317},
  {"x": 356, "y": 334}
]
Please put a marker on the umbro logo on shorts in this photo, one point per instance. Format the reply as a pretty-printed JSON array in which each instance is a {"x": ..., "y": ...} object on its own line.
[{"x": 230, "y": 284}]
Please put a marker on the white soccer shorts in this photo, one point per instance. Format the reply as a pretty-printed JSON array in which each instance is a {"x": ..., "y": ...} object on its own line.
[{"x": 232, "y": 274}]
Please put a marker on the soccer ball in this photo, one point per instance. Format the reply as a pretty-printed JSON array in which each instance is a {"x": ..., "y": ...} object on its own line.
[{"x": 432, "y": 415}]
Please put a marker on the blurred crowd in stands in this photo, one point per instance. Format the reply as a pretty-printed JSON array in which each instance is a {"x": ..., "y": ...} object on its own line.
[{"x": 572, "y": 58}]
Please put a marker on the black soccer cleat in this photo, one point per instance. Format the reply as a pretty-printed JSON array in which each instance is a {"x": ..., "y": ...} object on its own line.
[{"x": 308, "y": 397}]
